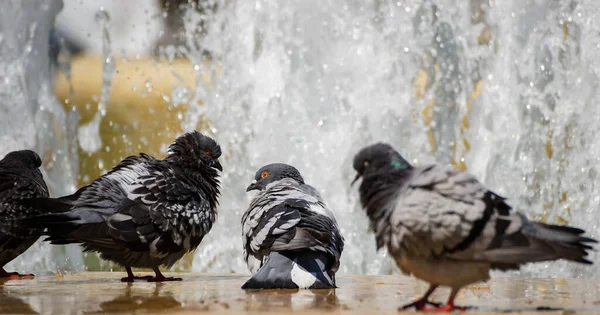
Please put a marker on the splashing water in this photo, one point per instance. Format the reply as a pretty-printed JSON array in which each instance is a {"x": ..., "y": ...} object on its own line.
[
  {"x": 89, "y": 133},
  {"x": 32, "y": 118},
  {"x": 504, "y": 89}
]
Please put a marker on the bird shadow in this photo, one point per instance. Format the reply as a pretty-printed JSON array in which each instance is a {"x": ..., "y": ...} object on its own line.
[
  {"x": 132, "y": 300},
  {"x": 520, "y": 309},
  {"x": 494, "y": 309}
]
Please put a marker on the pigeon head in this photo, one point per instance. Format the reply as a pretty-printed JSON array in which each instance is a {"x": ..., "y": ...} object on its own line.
[
  {"x": 378, "y": 158},
  {"x": 26, "y": 158},
  {"x": 274, "y": 172},
  {"x": 196, "y": 149}
]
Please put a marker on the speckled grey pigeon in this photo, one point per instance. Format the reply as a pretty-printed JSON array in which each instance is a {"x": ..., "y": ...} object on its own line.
[
  {"x": 291, "y": 240},
  {"x": 144, "y": 212},
  {"x": 446, "y": 228},
  {"x": 20, "y": 178}
]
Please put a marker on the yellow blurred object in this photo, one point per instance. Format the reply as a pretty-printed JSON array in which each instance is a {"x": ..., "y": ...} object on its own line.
[
  {"x": 549, "y": 151},
  {"x": 565, "y": 27},
  {"x": 561, "y": 221},
  {"x": 459, "y": 164},
  {"x": 139, "y": 114},
  {"x": 485, "y": 36},
  {"x": 427, "y": 117},
  {"x": 420, "y": 85}
]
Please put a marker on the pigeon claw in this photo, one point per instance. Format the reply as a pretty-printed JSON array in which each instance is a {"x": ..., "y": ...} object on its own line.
[
  {"x": 422, "y": 305},
  {"x": 132, "y": 279},
  {"x": 450, "y": 308},
  {"x": 161, "y": 279},
  {"x": 431, "y": 307},
  {"x": 422, "y": 308}
]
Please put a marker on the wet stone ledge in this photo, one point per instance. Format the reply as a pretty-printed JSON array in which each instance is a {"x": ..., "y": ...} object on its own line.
[{"x": 102, "y": 292}]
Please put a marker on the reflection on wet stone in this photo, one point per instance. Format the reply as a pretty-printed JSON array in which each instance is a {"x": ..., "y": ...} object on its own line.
[
  {"x": 98, "y": 292},
  {"x": 291, "y": 299},
  {"x": 11, "y": 304},
  {"x": 133, "y": 300}
]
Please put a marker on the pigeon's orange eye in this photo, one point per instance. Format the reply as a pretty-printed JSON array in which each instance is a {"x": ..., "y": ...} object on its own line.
[
  {"x": 366, "y": 163},
  {"x": 264, "y": 174},
  {"x": 208, "y": 152}
]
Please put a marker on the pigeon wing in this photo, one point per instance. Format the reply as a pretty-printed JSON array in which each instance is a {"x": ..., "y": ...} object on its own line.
[
  {"x": 14, "y": 188},
  {"x": 311, "y": 231},
  {"x": 266, "y": 222},
  {"x": 163, "y": 214},
  {"x": 444, "y": 212},
  {"x": 325, "y": 235},
  {"x": 449, "y": 214}
]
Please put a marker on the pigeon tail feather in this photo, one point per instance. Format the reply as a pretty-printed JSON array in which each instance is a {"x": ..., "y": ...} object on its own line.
[
  {"x": 566, "y": 242},
  {"x": 51, "y": 220},
  {"x": 48, "y": 205},
  {"x": 292, "y": 270},
  {"x": 543, "y": 242}
]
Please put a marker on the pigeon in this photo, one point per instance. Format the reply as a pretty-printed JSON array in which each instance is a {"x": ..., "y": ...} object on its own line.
[
  {"x": 20, "y": 178},
  {"x": 144, "y": 212},
  {"x": 448, "y": 229},
  {"x": 291, "y": 239}
]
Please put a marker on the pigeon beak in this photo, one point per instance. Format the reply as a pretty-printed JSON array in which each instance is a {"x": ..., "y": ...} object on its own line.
[
  {"x": 217, "y": 165},
  {"x": 252, "y": 186},
  {"x": 358, "y": 175}
]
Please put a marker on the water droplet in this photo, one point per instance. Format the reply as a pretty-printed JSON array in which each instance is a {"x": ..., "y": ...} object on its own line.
[{"x": 102, "y": 16}]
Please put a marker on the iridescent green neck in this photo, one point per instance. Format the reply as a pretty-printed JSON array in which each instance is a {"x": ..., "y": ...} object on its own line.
[{"x": 399, "y": 163}]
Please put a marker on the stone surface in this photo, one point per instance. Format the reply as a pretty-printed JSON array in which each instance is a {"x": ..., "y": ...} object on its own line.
[{"x": 102, "y": 292}]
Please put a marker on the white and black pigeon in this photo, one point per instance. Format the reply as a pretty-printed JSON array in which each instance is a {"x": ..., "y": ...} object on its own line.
[
  {"x": 20, "y": 178},
  {"x": 448, "y": 229},
  {"x": 291, "y": 239},
  {"x": 144, "y": 212}
]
